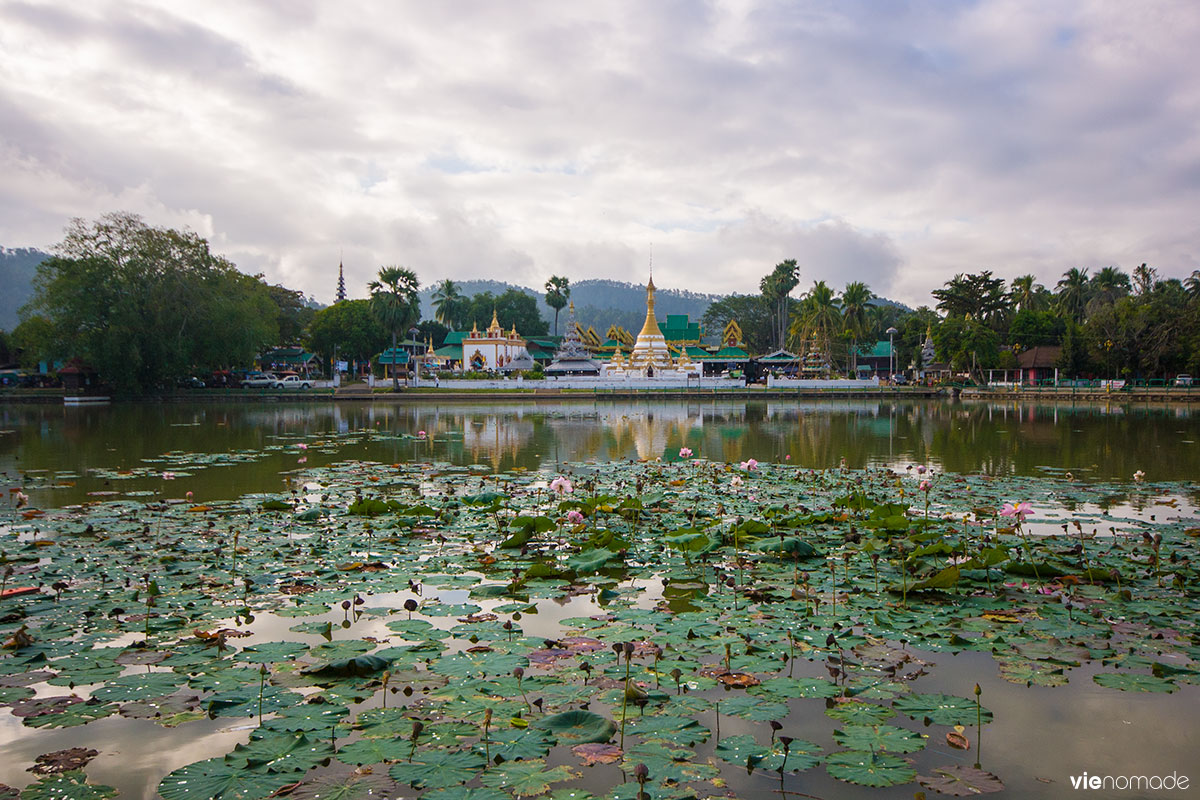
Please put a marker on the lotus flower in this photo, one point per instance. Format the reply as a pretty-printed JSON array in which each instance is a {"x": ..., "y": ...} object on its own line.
[
  {"x": 561, "y": 485},
  {"x": 1139, "y": 476},
  {"x": 302, "y": 446},
  {"x": 574, "y": 516},
  {"x": 168, "y": 476},
  {"x": 925, "y": 486},
  {"x": 685, "y": 452},
  {"x": 736, "y": 480},
  {"x": 1018, "y": 510},
  {"x": 921, "y": 469},
  {"x": 421, "y": 434},
  {"x": 21, "y": 497},
  {"x": 188, "y": 495},
  {"x": 749, "y": 464}
]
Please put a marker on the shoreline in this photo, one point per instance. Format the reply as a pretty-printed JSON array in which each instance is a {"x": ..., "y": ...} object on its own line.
[{"x": 1160, "y": 396}]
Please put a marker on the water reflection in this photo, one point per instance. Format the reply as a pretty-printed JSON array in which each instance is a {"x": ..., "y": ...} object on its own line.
[{"x": 1092, "y": 441}]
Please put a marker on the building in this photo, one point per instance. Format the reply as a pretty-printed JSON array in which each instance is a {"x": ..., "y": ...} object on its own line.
[
  {"x": 573, "y": 358},
  {"x": 490, "y": 350}
]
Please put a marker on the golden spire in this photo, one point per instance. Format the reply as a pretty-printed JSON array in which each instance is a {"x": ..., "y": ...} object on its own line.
[
  {"x": 650, "y": 326},
  {"x": 495, "y": 322}
]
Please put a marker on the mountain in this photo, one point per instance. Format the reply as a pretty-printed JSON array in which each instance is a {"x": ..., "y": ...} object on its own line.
[
  {"x": 17, "y": 268},
  {"x": 598, "y": 303}
]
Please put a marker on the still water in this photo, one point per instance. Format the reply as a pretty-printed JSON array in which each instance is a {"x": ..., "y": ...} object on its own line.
[
  {"x": 1041, "y": 736},
  {"x": 58, "y": 450}
]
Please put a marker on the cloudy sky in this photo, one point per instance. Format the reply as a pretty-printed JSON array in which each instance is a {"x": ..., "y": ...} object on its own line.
[{"x": 894, "y": 143}]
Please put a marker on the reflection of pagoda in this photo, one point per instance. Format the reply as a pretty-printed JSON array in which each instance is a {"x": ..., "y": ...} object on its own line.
[
  {"x": 650, "y": 355},
  {"x": 572, "y": 357}
]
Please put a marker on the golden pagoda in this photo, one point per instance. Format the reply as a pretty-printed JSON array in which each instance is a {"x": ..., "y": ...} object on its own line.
[{"x": 650, "y": 354}]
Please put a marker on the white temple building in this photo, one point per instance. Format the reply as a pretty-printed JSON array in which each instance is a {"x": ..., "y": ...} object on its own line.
[{"x": 492, "y": 349}]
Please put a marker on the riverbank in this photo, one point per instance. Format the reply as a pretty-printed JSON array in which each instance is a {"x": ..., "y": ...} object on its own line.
[{"x": 359, "y": 393}]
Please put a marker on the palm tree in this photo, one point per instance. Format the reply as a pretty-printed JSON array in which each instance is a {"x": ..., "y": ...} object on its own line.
[
  {"x": 395, "y": 304},
  {"x": 1144, "y": 278},
  {"x": 819, "y": 318},
  {"x": 1192, "y": 284},
  {"x": 1026, "y": 294},
  {"x": 447, "y": 303},
  {"x": 1108, "y": 284},
  {"x": 558, "y": 291},
  {"x": 855, "y": 298},
  {"x": 1073, "y": 292},
  {"x": 775, "y": 289}
]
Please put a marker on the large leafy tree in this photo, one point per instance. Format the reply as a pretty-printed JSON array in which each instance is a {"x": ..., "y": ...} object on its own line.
[
  {"x": 752, "y": 314},
  {"x": 775, "y": 289},
  {"x": 976, "y": 296},
  {"x": 558, "y": 291},
  {"x": 348, "y": 329},
  {"x": 145, "y": 305},
  {"x": 513, "y": 308},
  {"x": 395, "y": 304},
  {"x": 448, "y": 304}
]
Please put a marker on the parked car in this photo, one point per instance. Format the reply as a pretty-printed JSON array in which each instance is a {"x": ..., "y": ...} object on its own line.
[
  {"x": 292, "y": 382},
  {"x": 900, "y": 379},
  {"x": 1183, "y": 380},
  {"x": 259, "y": 380},
  {"x": 190, "y": 383}
]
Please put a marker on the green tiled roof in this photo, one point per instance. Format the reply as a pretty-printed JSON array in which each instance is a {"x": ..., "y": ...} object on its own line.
[
  {"x": 880, "y": 350},
  {"x": 391, "y": 356}
]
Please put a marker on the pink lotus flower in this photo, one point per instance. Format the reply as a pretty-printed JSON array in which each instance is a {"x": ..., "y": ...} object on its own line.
[
  {"x": 21, "y": 497},
  {"x": 574, "y": 516},
  {"x": 421, "y": 434},
  {"x": 168, "y": 476},
  {"x": 1139, "y": 476},
  {"x": 925, "y": 486},
  {"x": 188, "y": 495},
  {"x": 302, "y": 446},
  {"x": 685, "y": 452},
  {"x": 302, "y": 460},
  {"x": 561, "y": 485},
  {"x": 1018, "y": 510},
  {"x": 921, "y": 469},
  {"x": 749, "y": 464},
  {"x": 788, "y": 457},
  {"x": 736, "y": 480}
]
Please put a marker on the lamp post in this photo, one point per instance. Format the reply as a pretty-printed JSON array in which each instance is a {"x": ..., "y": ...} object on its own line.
[
  {"x": 891, "y": 332},
  {"x": 412, "y": 360}
]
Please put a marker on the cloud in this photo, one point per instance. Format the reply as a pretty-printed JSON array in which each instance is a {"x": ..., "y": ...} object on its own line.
[{"x": 894, "y": 144}]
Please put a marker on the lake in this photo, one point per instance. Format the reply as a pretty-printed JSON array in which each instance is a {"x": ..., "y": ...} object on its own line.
[{"x": 1047, "y": 679}]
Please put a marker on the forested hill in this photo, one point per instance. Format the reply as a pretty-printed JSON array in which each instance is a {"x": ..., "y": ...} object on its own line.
[
  {"x": 17, "y": 268},
  {"x": 598, "y": 303}
]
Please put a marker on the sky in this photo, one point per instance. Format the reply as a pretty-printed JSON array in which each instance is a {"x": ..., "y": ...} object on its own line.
[{"x": 895, "y": 143}]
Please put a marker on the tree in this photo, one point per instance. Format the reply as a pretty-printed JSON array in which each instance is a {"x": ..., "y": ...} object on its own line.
[
  {"x": 775, "y": 289},
  {"x": 145, "y": 306},
  {"x": 979, "y": 297},
  {"x": 1074, "y": 290},
  {"x": 513, "y": 309},
  {"x": 1033, "y": 328},
  {"x": 753, "y": 316},
  {"x": 818, "y": 318},
  {"x": 1027, "y": 295},
  {"x": 448, "y": 304},
  {"x": 1192, "y": 283},
  {"x": 558, "y": 290},
  {"x": 349, "y": 328},
  {"x": 1107, "y": 285},
  {"x": 292, "y": 313},
  {"x": 855, "y": 299},
  {"x": 395, "y": 304},
  {"x": 1073, "y": 360},
  {"x": 1144, "y": 278}
]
